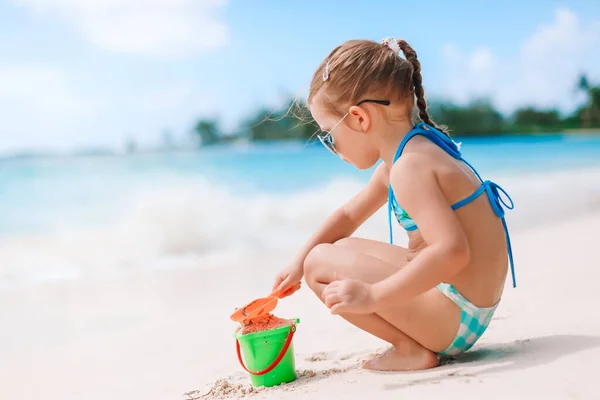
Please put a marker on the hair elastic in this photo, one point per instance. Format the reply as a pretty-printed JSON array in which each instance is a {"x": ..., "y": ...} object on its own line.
[
  {"x": 326, "y": 72},
  {"x": 392, "y": 44}
]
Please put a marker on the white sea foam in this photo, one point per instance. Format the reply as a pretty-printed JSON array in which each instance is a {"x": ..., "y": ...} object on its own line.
[{"x": 195, "y": 225}]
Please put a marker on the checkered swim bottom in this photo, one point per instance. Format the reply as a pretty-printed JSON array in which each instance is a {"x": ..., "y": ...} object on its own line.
[{"x": 473, "y": 322}]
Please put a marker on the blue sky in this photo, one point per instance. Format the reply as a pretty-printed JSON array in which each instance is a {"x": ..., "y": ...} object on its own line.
[{"x": 81, "y": 73}]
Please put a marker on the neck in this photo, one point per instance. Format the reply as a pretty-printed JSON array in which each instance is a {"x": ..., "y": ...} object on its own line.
[{"x": 390, "y": 138}]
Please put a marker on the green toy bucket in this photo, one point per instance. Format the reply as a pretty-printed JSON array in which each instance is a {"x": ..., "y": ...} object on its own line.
[{"x": 269, "y": 355}]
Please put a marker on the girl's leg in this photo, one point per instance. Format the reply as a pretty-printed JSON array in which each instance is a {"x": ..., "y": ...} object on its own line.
[
  {"x": 392, "y": 254},
  {"x": 416, "y": 330},
  {"x": 377, "y": 325}
]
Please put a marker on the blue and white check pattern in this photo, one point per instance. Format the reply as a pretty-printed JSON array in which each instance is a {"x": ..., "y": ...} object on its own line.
[{"x": 474, "y": 321}]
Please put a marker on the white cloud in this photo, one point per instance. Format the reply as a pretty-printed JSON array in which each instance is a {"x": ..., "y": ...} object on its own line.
[
  {"x": 44, "y": 90},
  {"x": 542, "y": 72},
  {"x": 174, "y": 106},
  {"x": 44, "y": 110},
  {"x": 39, "y": 106},
  {"x": 161, "y": 28}
]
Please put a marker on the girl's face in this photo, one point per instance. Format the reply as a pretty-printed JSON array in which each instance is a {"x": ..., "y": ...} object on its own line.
[{"x": 348, "y": 136}]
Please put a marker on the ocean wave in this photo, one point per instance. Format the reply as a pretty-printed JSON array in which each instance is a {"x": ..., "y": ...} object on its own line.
[{"x": 194, "y": 224}]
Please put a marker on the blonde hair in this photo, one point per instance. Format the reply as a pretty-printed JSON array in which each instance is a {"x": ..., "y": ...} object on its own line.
[{"x": 358, "y": 68}]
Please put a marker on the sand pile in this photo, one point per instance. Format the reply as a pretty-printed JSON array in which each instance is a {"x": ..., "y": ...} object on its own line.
[
  {"x": 223, "y": 389},
  {"x": 263, "y": 323}
]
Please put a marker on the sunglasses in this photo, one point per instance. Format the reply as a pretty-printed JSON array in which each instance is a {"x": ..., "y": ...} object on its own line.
[{"x": 327, "y": 139}]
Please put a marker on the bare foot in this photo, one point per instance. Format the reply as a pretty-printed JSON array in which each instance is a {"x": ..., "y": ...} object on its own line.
[{"x": 392, "y": 360}]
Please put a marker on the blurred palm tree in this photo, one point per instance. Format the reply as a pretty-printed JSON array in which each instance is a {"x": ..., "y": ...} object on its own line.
[
  {"x": 589, "y": 114},
  {"x": 479, "y": 117},
  {"x": 208, "y": 131}
]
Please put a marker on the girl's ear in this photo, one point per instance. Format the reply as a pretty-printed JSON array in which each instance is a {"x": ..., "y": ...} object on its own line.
[{"x": 361, "y": 120}]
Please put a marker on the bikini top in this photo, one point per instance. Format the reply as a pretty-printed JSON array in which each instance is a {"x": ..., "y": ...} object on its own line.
[{"x": 494, "y": 192}]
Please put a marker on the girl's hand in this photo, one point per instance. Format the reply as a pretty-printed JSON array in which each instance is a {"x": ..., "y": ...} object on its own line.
[
  {"x": 349, "y": 296},
  {"x": 288, "y": 279}
]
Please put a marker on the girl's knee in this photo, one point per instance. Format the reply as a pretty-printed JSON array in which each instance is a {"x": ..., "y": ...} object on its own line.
[
  {"x": 344, "y": 242},
  {"x": 315, "y": 261}
]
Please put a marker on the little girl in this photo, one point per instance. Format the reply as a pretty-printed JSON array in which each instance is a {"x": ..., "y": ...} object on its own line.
[{"x": 438, "y": 295}]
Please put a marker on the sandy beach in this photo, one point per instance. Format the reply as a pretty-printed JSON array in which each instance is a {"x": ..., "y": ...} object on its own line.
[
  {"x": 161, "y": 161},
  {"x": 162, "y": 334}
]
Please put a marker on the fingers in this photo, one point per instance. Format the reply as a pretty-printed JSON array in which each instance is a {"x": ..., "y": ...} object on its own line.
[
  {"x": 336, "y": 302},
  {"x": 336, "y": 296},
  {"x": 332, "y": 299},
  {"x": 338, "y": 308},
  {"x": 332, "y": 294},
  {"x": 295, "y": 288},
  {"x": 291, "y": 290},
  {"x": 285, "y": 289},
  {"x": 281, "y": 282},
  {"x": 333, "y": 286}
]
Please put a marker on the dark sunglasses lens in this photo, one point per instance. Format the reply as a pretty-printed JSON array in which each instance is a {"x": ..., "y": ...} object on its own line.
[{"x": 327, "y": 142}]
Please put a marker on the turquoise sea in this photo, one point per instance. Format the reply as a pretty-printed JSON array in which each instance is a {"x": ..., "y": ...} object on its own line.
[{"x": 72, "y": 216}]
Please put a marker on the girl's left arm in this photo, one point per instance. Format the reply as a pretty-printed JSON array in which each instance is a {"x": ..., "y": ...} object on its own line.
[{"x": 447, "y": 252}]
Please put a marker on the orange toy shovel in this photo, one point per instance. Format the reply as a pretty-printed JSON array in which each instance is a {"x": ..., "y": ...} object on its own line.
[{"x": 260, "y": 306}]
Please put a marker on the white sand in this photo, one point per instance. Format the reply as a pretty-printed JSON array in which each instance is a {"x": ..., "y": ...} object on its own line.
[{"x": 147, "y": 337}]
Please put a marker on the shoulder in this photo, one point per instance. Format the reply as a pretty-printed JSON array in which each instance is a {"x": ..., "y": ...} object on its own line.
[
  {"x": 414, "y": 179},
  {"x": 424, "y": 146},
  {"x": 381, "y": 174},
  {"x": 380, "y": 178},
  {"x": 421, "y": 157},
  {"x": 412, "y": 167}
]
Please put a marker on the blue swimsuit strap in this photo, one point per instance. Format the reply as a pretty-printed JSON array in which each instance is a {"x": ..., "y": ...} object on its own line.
[
  {"x": 440, "y": 139},
  {"x": 493, "y": 190},
  {"x": 433, "y": 135}
]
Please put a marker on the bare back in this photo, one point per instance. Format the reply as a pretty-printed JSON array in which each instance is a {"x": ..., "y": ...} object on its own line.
[{"x": 482, "y": 280}]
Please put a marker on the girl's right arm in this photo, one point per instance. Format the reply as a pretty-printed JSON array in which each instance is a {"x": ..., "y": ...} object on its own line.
[{"x": 342, "y": 223}]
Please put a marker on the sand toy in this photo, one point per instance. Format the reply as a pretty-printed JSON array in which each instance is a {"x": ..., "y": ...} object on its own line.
[{"x": 266, "y": 342}]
